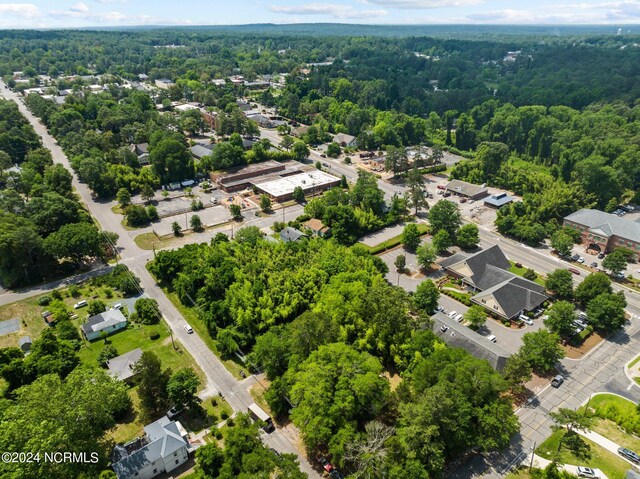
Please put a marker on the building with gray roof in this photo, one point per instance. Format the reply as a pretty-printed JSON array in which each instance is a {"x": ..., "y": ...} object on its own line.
[
  {"x": 497, "y": 289},
  {"x": 200, "y": 151},
  {"x": 469, "y": 190},
  {"x": 164, "y": 447},
  {"x": 25, "y": 344},
  {"x": 605, "y": 232},
  {"x": 290, "y": 235},
  {"x": 121, "y": 367},
  {"x": 109, "y": 322},
  {"x": 458, "y": 336},
  {"x": 499, "y": 200}
]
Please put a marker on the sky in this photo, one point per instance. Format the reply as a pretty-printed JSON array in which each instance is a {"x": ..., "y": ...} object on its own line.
[{"x": 66, "y": 14}]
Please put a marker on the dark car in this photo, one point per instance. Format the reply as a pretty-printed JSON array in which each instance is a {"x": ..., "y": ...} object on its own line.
[
  {"x": 629, "y": 454},
  {"x": 575, "y": 257},
  {"x": 335, "y": 474},
  {"x": 594, "y": 265},
  {"x": 326, "y": 465},
  {"x": 557, "y": 381},
  {"x": 574, "y": 271},
  {"x": 601, "y": 255}
]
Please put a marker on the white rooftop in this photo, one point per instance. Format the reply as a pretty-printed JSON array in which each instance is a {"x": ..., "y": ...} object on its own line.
[{"x": 286, "y": 185}]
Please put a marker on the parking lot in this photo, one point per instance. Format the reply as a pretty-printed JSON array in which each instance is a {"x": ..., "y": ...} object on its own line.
[{"x": 209, "y": 216}]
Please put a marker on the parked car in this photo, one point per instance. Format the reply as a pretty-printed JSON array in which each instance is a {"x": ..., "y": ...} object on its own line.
[
  {"x": 492, "y": 338},
  {"x": 578, "y": 327},
  {"x": 525, "y": 319},
  {"x": 582, "y": 316},
  {"x": 629, "y": 454},
  {"x": 575, "y": 257},
  {"x": 580, "y": 323},
  {"x": 439, "y": 309},
  {"x": 594, "y": 265},
  {"x": 444, "y": 328},
  {"x": 580, "y": 260},
  {"x": 600, "y": 255},
  {"x": 188, "y": 329},
  {"x": 574, "y": 271},
  {"x": 459, "y": 318},
  {"x": 453, "y": 314},
  {"x": 214, "y": 200},
  {"x": 587, "y": 472},
  {"x": 117, "y": 306},
  {"x": 335, "y": 474},
  {"x": 557, "y": 381},
  {"x": 463, "y": 200},
  {"x": 80, "y": 304},
  {"x": 619, "y": 276},
  {"x": 326, "y": 465},
  {"x": 175, "y": 411}
]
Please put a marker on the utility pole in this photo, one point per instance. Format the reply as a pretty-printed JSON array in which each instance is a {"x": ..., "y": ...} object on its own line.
[{"x": 533, "y": 453}]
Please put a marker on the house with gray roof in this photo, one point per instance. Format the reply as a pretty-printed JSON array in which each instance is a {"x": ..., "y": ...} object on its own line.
[
  {"x": 164, "y": 447},
  {"x": 343, "y": 139},
  {"x": 605, "y": 232},
  {"x": 109, "y": 322},
  {"x": 200, "y": 151},
  {"x": 497, "y": 289},
  {"x": 469, "y": 190},
  {"x": 121, "y": 367},
  {"x": 291, "y": 235},
  {"x": 499, "y": 200},
  {"x": 458, "y": 336}
]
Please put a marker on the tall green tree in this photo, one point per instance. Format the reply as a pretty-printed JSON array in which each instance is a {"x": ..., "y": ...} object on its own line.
[
  {"x": 152, "y": 384},
  {"x": 561, "y": 316},
  {"x": 542, "y": 349},
  {"x": 445, "y": 216},
  {"x": 560, "y": 281}
]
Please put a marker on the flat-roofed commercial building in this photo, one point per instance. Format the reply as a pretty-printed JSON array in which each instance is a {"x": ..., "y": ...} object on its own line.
[{"x": 311, "y": 182}]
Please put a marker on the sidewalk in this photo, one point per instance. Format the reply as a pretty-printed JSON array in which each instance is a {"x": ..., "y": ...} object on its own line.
[
  {"x": 541, "y": 463},
  {"x": 602, "y": 441}
]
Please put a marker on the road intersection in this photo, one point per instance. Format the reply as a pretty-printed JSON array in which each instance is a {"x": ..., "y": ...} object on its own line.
[{"x": 602, "y": 370}]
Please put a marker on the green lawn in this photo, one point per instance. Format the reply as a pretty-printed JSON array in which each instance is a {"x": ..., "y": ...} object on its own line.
[
  {"x": 613, "y": 466},
  {"x": 610, "y": 430},
  {"x": 212, "y": 414},
  {"x": 29, "y": 312},
  {"x": 520, "y": 272},
  {"x": 617, "y": 409}
]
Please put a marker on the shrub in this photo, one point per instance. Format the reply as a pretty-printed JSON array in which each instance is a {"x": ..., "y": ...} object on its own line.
[
  {"x": 230, "y": 422},
  {"x": 154, "y": 335},
  {"x": 224, "y": 415},
  {"x": 44, "y": 300},
  {"x": 214, "y": 402},
  {"x": 213, "y": 418},
  {"x": 108, "y": 293},
  {"x": 74, "y": 290},
  {"x": 218, "y": 434},
  {"x": 56, "y": 294}
]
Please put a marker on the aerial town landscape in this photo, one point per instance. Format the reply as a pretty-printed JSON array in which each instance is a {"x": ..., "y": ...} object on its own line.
[{"x": 383, "y": 249}]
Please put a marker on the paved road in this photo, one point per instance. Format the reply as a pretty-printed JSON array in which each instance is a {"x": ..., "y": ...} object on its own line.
[{"x": 218, "y": 378}]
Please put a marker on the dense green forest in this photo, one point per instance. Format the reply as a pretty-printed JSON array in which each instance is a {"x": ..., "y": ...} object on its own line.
[
  {"x": 324, "y": 324},
  {"x": 44, "y": 230}
]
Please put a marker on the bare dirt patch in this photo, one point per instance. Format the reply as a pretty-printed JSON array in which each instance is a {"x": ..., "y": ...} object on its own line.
[{"x": 578, "y": 352}]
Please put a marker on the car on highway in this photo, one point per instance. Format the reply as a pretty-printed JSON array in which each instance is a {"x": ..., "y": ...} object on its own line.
[
  {"x": 574, "y": 271},
  {"x": 557, "y": 381},
  {"x": 629, "y": 454},
  {"x": 188, "y": 329},
  {"x": 586, "y": 472}
]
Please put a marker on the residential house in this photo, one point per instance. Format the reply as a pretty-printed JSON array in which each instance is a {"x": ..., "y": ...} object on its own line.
[
  {"x": 497, "y": 289},
  {"x": 163, "y": 448},
  {"x": 345, "y": 140},
  {"x": 108, "y": 322},
  {"x": 300, "y": 131},
  {"x": 318, "y": 228},
  {"x": 121, "y": 367},
  {"x": 605, "y": 232},
  {"x": 468, "y": 190},
  {"x": 164, "y": 83},
  {"x": 459, "y": 336},
  {"x": 291, "y": 235},
  {"x": 199, "y": 151},
  {"x": 142, "y": 151}
]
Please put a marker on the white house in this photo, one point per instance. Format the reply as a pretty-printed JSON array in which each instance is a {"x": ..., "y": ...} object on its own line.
[{"x": 110, "y": 321}]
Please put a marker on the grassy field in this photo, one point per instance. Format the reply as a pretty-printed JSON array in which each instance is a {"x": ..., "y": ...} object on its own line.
[
  {"x": 610, "y": 464},
  {"x": 617, "y": 409},
  {"x": 213, "y": 408},
  {"x": 522, "y": 473},
  {"x": 29, "y": 311},
  {"x": 520, "y": 272},
  {"x": 610, "y": 430}
]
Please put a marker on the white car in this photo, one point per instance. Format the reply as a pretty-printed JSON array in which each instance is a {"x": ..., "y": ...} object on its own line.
[
  {"x": 492, "y": 338},
  {"x": 188, "y": 328},
  {"x": 526, "y": 319},
  {"x": 214, "y": 200},
  {"x": 580, "y": 260},
  {"x": 459, "y": 318},
  {"x": 453, "y": 314},
  {"x": 80, "y": 304},
  {"x": 587, "y": 472}
]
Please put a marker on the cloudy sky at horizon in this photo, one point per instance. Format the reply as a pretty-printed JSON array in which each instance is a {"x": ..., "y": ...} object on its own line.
[{"x": 61, "y": 14}]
